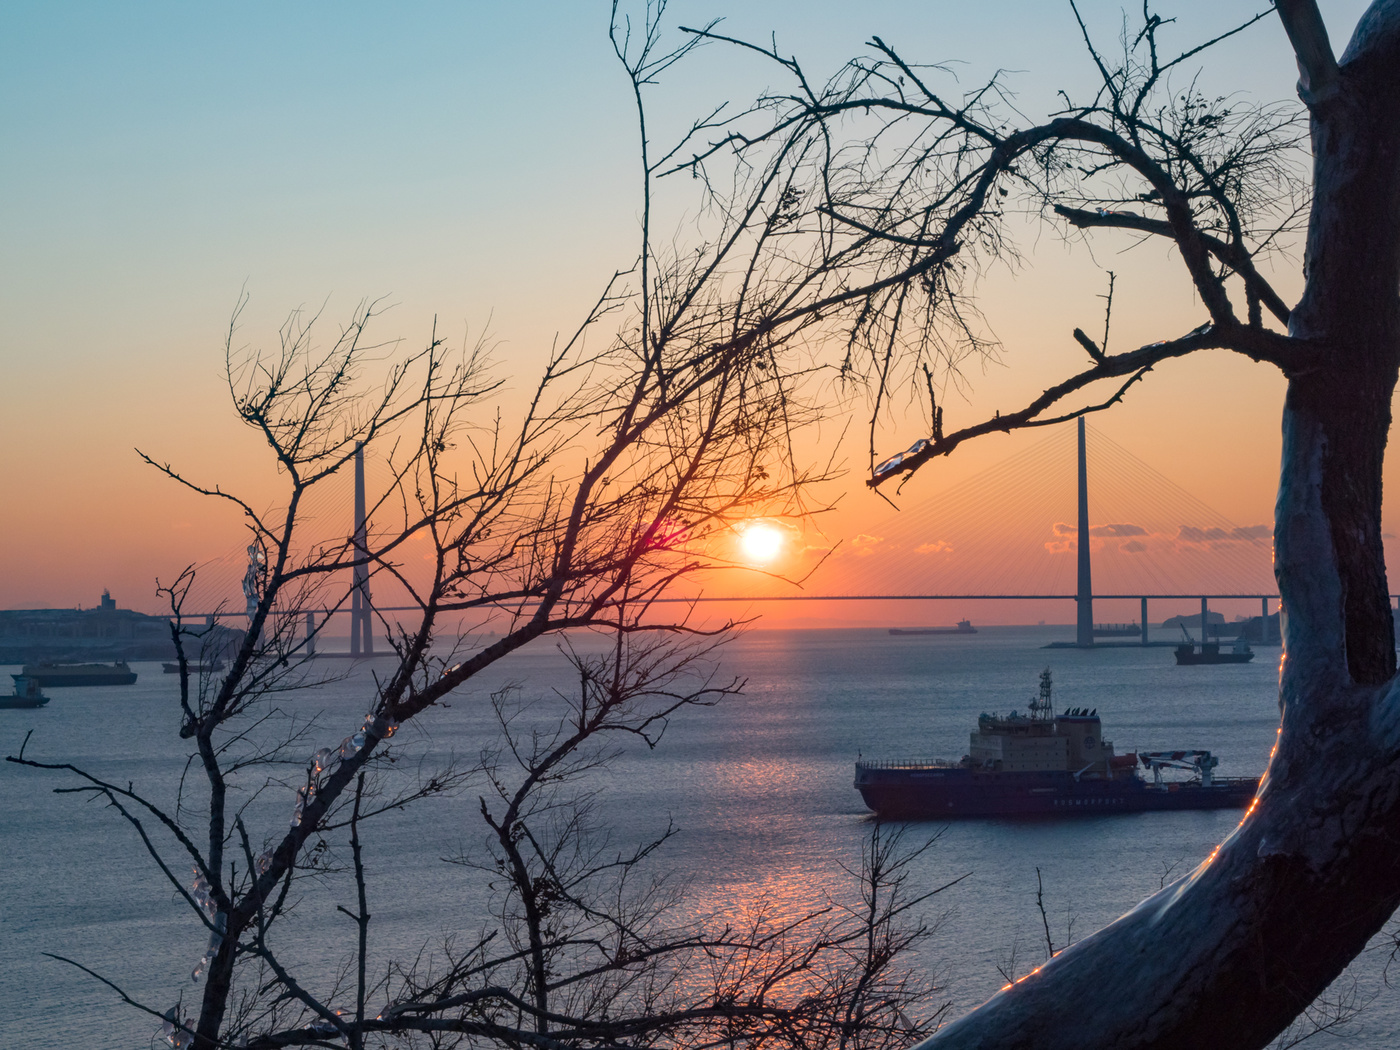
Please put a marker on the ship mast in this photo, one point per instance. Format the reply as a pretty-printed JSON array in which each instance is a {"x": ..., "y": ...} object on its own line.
[{"x": 1042, "y": 709}]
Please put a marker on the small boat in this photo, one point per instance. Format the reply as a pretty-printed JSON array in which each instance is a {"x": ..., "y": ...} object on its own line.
[
  {"x": 200, "y": 668},
  {"x": 1044, "y": 764},
  {"x": 61, "y": 675},
  {"x": 963, "y": 627},
  {"x": 26, "y": 694}
]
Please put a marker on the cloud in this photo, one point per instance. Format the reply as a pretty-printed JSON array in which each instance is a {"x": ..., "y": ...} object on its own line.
[
  {"x": 1064, "y": 540},
  {"x": 864, "y": 545},
  {"x": 1215, "y": 534},
  {"x": 936, "y": 547},
  {"x": 1133, "y": 547},
  {"x": 1062, "y": 529},
  {"x": 1253, "y": 532},
  {"x": 1194, "y": 534},
  {"x": 1117, "y": 529}
]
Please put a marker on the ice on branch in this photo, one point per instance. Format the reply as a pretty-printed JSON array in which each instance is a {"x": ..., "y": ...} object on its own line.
[
  {"x": 173, "y": 1032},
  {"x": 326, "y": 759}
]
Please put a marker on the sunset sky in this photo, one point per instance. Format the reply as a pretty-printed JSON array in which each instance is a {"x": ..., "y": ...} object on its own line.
[{"x": 473, "y": 163}]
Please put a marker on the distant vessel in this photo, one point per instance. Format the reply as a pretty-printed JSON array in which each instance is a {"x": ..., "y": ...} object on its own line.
[
  {"x": 60, "y": 675},
  {"x": 217, "y": 665},
  {"x": 963, "y": 627},
  {"x": 1046, "y": 764},
  {"x": 1188, "y": 653},
  {"x": 1117, "y": 630},
  {"x": 26, "y": 694}
]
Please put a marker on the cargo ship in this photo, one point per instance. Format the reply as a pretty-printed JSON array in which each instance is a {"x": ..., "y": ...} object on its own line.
[
  {"x": 60, "y": 675},
  {"x": 1189, "y": 654},
  {"x": 1044, "y": 764},
  {"x": 26, "y": 694},
  {"x": 963, "y": 627}
]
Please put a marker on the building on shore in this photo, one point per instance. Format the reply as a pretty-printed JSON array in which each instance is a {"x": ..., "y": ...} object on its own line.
[{"x": 103, "y": 633}]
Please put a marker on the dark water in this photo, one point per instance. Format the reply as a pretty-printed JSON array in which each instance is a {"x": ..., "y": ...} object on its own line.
[{"x": 760, "y": 788}]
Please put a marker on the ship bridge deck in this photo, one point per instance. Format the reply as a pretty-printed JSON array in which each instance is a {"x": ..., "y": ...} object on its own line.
[{"x": 906, "y": 763}]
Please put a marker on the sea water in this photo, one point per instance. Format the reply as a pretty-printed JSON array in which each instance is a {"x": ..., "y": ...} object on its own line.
[{"x": 758, "y": 788}]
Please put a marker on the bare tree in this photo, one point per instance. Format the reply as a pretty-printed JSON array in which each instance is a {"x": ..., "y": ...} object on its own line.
[
  {"x": 896, "y": 194},
  {"x": 667, "y": 417}
]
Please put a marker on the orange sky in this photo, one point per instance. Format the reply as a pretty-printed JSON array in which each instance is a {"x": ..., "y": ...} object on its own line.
[{"x": 154, "y": 180}]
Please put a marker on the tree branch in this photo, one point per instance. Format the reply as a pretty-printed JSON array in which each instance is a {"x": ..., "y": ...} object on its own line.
[
  {"x": 1232, "y": 256},
  {"x": 1317, "y": 66},
  {"x": 1134, "y": 364}
]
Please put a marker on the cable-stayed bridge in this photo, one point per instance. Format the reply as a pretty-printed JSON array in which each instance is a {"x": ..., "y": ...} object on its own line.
[{"x": 1010, "y": 532}]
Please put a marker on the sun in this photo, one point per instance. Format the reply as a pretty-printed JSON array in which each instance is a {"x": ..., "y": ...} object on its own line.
[{"x": 761, "y": 542}]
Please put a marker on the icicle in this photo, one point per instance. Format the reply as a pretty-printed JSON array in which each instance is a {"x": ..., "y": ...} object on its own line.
[
  {"x": 351, "y": 745},
  {"x": 322, "y": 1027},
  {"x": 304, "y": 795},
  {"x": 379, "y": 726},
  {"x": 171, "y": 1031},
  {"x": 200, "y": 891},
  {"x": 327, "y": 758},
  {"x": 216, "y": 938},
  {"x": 323, "y": 760}
]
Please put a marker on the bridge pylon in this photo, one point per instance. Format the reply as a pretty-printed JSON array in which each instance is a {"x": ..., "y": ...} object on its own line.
[
  {"x": 361, "y": 612},
  {"x": 1084, "y": 597}
]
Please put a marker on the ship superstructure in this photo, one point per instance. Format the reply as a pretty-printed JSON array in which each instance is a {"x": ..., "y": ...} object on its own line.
[{"x": 1039, "y": 740}]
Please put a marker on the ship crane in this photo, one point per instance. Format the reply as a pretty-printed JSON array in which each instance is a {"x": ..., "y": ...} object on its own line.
[{"x": 1202, "y": 763}]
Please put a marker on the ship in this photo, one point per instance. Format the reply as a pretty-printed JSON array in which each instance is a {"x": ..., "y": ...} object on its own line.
[
  {"x": 1117, "y": 630},
  {"x": 26, "y": 694},
  {"x": 1044, "y": 764},
  {"x": 61, "y": 675},
  {"x": 1188, "y": 653},
  {"x": 194, "y": 668},
  {"x": 963, "y": 627}
]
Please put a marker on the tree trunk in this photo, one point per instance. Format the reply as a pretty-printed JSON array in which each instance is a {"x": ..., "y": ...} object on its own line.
[
  {"x": 218, "y": 983},
  {"x": 1230, "y": 954}
]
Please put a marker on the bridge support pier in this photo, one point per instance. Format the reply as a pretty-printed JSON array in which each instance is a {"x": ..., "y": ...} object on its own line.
[
  {"x": 361, "y": 613},
  {"x": 1144, "y": 621},
  {"x": 1084, "y": 636}
]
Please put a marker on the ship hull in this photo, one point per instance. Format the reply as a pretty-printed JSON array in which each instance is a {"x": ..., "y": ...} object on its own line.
[
  {"x": 1190, "y": 656},
  {"x": 8, "y": 702},
  {"x": 57, "y": 676},
  {"x": 932, "y": 792}
]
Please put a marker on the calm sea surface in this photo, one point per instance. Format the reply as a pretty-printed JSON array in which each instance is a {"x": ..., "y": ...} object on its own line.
[{"x": 760, "y": 788}]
